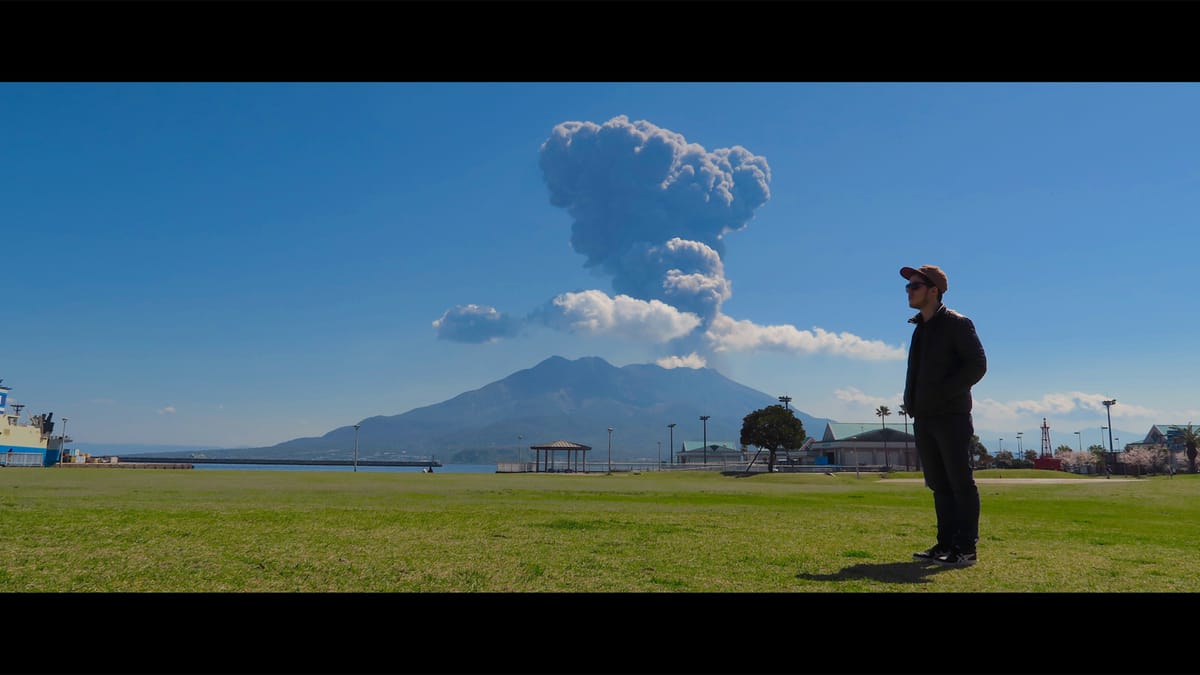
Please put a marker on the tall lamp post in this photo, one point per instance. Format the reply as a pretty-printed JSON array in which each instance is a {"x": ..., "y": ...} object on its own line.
[
  {"x": 519, "y": 452},
  {"x": 671, "y": 442},
  {"x": 62, "y": 450},
  {"x": 610, "y": 449},
  {"x": 660, "y": 453},
  {"x": 704, "y": 418},
  {"x": 1108, "y": 410},
  {"x": 1102, "y": 452},
  {"x": 356, "y": 426}
]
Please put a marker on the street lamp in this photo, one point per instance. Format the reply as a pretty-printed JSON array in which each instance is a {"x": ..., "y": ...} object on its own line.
[
  {"x": 785, "y": 400},
  {"x": 704, "y": 418},
  {"x": 356, "y": 426},
  {"x": 519, "y": 448},
  {"x": 1020, "y": 452},
  {"x": 1108, "y": 409},
  {"x": 62, "y": 449},
  {"x": 660, "y": 453},
  {"x": 671, "y": 442},
  {"x": 610, "y": 449}
]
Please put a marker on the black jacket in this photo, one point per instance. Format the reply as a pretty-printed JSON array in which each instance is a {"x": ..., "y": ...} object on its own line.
[{"x": 945, "y": 359}]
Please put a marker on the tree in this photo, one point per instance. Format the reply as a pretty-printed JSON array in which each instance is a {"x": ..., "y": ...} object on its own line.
[
  {"x": 772, "y": 428},
  {"x": 979, "y": 453},
  {"x": 1190, "y": 438},
  {"x": 1077, "y": 460},
  {"x": 1142, "y": 459},
  {"x": 882, "y": 413}
]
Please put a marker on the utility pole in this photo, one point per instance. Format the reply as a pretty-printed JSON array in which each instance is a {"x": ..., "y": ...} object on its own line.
[
  {"x": 704, "y": 418},
  {"x": 356, "y": 426},
  {"x": 610, "y": 449}
]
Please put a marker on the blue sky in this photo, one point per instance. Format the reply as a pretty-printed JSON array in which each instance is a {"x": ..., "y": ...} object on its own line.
[{"x": 240, "y": 264}]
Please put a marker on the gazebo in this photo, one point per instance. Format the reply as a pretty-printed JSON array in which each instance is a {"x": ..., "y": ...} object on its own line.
[{"x": 574, "y": 453}]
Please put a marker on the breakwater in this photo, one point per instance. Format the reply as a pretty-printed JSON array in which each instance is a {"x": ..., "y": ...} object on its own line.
[{"x": 139, "y": 459}]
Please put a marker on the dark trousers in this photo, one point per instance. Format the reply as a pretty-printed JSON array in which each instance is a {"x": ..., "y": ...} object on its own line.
[{"x": 944, "y": 444}]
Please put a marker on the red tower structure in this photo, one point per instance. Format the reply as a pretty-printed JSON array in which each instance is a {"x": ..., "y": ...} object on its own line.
[{"x": 1047, "y": 460}]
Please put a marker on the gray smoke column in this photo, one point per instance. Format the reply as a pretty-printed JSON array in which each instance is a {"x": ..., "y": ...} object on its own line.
[{"x": 651, "y": 209}]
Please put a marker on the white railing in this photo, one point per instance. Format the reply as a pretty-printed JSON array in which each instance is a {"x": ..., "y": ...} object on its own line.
[{"x": 21, "y": 458}]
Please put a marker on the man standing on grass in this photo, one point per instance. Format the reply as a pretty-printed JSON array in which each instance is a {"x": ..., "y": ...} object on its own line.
[{"x": 945, "y": 359}]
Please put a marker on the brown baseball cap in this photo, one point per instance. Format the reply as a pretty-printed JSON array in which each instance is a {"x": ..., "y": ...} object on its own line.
[{"x": 932, "y": 273}]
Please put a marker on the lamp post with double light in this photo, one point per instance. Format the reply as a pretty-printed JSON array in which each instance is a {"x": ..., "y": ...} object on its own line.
[{"x": 1108, "y": 410}]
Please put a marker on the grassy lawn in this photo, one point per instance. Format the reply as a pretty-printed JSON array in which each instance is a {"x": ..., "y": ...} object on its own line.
[{"x": 147, "y": 530}]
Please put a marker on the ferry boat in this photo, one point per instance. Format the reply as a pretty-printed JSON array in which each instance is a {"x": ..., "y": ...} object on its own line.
[{"x": 30, "y": 443}]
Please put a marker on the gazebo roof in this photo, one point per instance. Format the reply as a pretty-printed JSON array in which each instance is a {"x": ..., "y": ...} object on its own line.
[{"x": 561, "y": 445}]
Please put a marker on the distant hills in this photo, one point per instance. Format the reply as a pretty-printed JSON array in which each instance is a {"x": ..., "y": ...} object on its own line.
[{"x": 558, "y": 399}]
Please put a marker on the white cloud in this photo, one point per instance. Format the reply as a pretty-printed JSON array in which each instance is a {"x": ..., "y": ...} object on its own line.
[
  {"x": 692, "y": 360},
  {"x": 727, "y": 334},
  {"x": 1003, "y": 413},
  {"x": 854, "y": 396},
  {"x": 595, "y": 313},
  {"x": 475, "y": 323},
  {"x": 169, "y": 410}
]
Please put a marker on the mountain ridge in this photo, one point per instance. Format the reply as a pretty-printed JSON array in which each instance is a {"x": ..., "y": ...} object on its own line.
[{"x": 556, "y": 399}]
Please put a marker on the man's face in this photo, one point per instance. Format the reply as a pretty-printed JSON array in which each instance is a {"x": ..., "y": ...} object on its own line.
[{"x": 918, "y": 289}]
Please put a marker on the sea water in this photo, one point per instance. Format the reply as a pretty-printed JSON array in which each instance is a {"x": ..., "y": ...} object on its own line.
[{"x": 445, "y": 468}]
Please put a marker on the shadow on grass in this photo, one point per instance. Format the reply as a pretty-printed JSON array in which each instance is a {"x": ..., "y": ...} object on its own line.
[{"x": 892, "y": 573}]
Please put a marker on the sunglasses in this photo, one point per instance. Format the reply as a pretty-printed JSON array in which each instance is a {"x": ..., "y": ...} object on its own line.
[{"x": 914, "y": 285}]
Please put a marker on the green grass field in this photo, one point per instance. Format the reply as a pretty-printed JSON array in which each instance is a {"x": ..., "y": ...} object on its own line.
[{"x": 152, "y": 530}]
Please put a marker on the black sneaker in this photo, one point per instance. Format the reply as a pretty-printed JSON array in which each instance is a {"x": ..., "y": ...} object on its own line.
[
  {"x": 956, "y": 558},
  {"x": 932, "y": 552}
]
